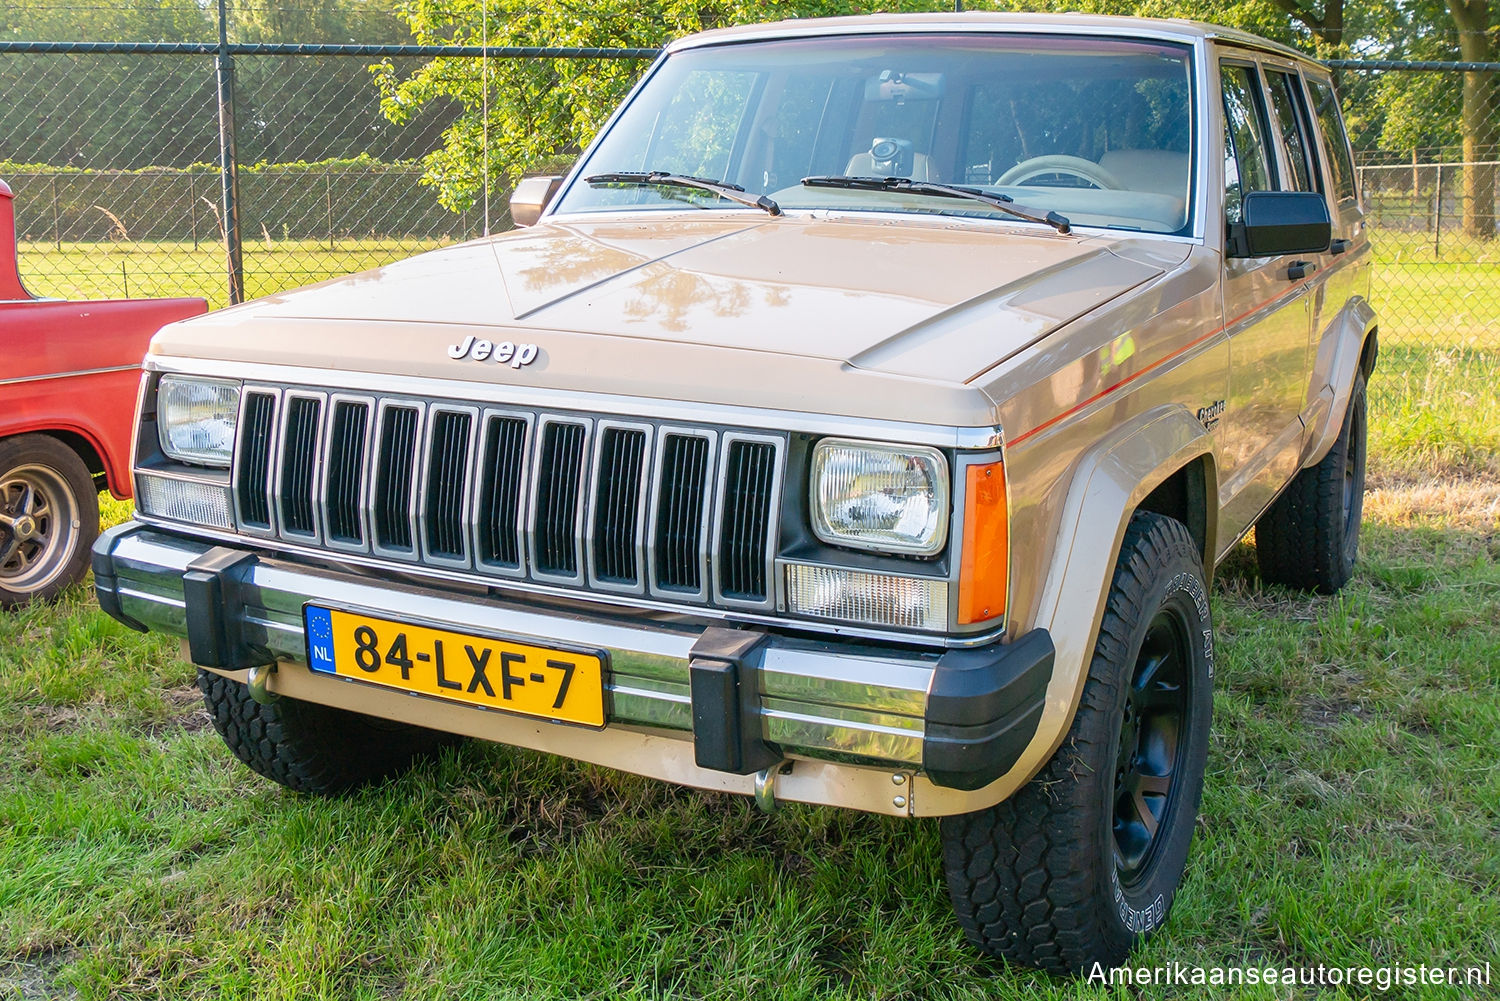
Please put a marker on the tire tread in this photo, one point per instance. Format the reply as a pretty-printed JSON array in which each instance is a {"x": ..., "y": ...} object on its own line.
[
  {"x": 1023, "y": 884},
  {"x": 1299, "y": 540},
  {"x": 308, "y": 747}
]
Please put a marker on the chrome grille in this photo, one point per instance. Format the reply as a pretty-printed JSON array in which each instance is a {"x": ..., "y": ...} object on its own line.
[
  {"x": 677, "y": 541},
  {"x": 395, "y": 476},
  {"x": 253, "y": 466},
  {"x": 344, "y": 500},
  {"x": 300, "y": 440},
  {"x": 624, "y": 506},
  {"x": 619, "y": 494},
  {"x": 557, "y": 510},
  {"x": 443, "y": 510},
  {"x": 501, "y": 475},
  {"x": 751, "y": 476}
]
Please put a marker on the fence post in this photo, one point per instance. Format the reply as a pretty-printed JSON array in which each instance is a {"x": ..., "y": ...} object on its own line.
[
  {"x": 193, "y": 207},
  {"x": 328, "y": 194},
  {"x": 228, "y": 164},
  {"x": 1437, "y": 214},
  {"x": 1414, "y": 175},
  {"x": 56, "y": 224}
]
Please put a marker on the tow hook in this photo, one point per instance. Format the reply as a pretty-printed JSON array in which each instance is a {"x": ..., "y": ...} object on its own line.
[
  {"x": 256, "y": 681},
  {"x": 765, "y": 785}
]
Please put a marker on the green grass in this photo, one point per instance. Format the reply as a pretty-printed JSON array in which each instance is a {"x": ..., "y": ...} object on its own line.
[
  {"x": 1351, "y": 816},
  {"x": 1444, "y": 295},
  {"x": 165, "y": 268}
]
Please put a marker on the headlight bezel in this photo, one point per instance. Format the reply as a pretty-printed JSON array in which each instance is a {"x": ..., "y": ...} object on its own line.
[
  {"x": 936, "y": 530},
  {"x": 211, "y": 457}
]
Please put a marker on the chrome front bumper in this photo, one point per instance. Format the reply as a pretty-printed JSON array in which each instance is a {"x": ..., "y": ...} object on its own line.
[{"x": 863, "y": 726}]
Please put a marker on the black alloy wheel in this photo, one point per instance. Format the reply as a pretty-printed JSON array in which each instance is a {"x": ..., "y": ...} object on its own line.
[{"x": 1153, "y": 731}]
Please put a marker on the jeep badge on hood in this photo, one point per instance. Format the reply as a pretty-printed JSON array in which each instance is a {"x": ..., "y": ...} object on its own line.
[{"x": 519, "y": 355}]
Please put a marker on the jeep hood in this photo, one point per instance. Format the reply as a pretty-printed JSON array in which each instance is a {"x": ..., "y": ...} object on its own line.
[{"x": 826, "y": 314}]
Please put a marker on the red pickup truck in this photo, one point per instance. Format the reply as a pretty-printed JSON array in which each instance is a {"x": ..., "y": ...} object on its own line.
[{"x": 68, "y": 378}]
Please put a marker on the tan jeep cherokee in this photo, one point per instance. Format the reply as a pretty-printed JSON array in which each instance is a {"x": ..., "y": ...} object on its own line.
[{"x": 859, "y": 423}]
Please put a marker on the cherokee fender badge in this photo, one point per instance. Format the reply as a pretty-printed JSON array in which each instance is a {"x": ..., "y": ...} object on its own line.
[
  {"x": 1209, "y": 416},
  {"x": 478, "y": 349}
]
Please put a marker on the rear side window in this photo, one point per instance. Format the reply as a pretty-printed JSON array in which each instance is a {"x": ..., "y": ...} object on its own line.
[
  {"x": 1326, "y": 108},
  {"x": 1291, "y": 125},
  {"x": 1246, "y": 166}
]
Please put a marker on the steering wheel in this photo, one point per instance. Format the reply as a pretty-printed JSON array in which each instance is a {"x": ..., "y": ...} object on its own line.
[{"x": 1060, "y": 163}]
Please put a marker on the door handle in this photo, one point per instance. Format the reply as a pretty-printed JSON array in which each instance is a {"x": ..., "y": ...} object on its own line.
[
  {"x": 1339, "y": 246},
  {"x": 1299, "y": 270}
]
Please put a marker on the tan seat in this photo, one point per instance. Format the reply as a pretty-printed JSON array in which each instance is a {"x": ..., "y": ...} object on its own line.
[
  {"x": 863, "y": 165},
  {"x": 1158, "y": 170}
]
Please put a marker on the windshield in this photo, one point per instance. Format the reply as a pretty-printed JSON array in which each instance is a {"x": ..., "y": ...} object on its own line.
[{"x": 1098, "y": 130}]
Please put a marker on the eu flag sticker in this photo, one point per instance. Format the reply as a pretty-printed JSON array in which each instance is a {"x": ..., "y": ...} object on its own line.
[{"x": 319, "y": 623}]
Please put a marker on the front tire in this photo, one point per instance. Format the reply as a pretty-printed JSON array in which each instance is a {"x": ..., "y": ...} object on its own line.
[
  {"x": 1309, "y": 538},
  {"x": 1083, "y": 862},
  {"x": 309, "y": 747},
  {"x": 49, "y": 518}
]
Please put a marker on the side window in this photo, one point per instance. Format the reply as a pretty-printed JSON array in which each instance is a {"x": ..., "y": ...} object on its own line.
[
  {"x": 1246, "y": 166},
  {"x": 1291, "y": 125},
  {"x": 1326, "y": 107}
]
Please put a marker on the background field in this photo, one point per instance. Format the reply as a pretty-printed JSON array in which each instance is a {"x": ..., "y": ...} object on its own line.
[{"x": 1351, "y": 817}]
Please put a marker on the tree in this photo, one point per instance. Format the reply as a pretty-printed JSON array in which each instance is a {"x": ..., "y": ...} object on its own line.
[
  {"x": 1477, "y": 44},
  {"x": 106, "y": 111},
  {"x": 541, "y": 110}
]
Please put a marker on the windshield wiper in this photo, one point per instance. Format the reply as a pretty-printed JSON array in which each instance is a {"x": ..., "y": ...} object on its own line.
[
  {"x": 723, "y": 189},
  {"x": 1004, "y": 203}
]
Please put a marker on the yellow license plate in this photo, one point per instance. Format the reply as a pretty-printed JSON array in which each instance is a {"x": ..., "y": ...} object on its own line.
[{"x": 459, "y": 667}]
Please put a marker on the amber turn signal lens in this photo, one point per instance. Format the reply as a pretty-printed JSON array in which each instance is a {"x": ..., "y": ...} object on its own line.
[{"x": 984, "y": 572}]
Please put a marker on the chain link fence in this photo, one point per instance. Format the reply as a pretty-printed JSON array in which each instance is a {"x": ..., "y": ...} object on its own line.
[
  {"x": 1435, "y": 282},
  {"x": 115, "y": 159}
]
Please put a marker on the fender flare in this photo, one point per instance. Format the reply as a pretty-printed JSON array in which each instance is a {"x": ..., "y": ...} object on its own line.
[
  {"x": 1107, "y": 488},
  {"x": 1345, "y": 343}
]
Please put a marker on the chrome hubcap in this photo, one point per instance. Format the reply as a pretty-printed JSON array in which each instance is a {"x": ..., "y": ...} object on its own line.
[{"x": 38, "y": 527}]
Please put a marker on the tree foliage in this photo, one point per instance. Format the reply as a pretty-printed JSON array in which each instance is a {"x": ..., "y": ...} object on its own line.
[
  {"x": 541, "y": 110},
  {"x": 131, "y": 111}
]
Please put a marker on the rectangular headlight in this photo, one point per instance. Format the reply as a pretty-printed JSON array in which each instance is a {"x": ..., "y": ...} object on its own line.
[
  {"x": 878, "y": 599},
  {"x": 195, "y": 419},
  {"x": 887, "y": 498}
]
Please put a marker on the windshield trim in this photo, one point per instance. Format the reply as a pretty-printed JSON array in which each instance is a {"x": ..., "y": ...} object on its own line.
[{"x": 1195, "y": 48}]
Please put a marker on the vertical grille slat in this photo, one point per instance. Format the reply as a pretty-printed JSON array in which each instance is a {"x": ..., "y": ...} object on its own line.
[
  {"x": 396, "y": 459},
  {"x": 446, "y": 480},
  {"x": 679, "y": 514},
  {"x": 557, "y": 498},
  {"x": 346, "y": 460},
  {"x": 298, "y": 463},
  {"x": 500, "y": 478},
  {"x": 744, "y": 537},
  {"x": 258, "y": 421},
  {"x": 617, "y": 488}
]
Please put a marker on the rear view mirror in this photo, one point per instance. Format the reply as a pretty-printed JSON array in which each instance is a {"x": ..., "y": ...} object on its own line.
[
  {"x": 1281, "y": 222},
  {"x": 531, "y": 197},
  {"x": 894, "y": 85}
]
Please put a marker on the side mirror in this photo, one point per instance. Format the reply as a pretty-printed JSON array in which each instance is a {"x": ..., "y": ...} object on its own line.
[
  {"x": 531, "y": 196},
  {"x": 1281, "y": 222}
]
